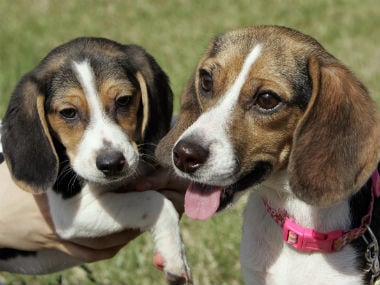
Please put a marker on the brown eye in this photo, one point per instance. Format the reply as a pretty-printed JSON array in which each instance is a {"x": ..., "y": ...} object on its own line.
[
  {"x": 69, "y": 113},
  {"x": 123, "y": 101},
  {"x": 267, "y": 100},
  {"x": 205, "y": 81}
]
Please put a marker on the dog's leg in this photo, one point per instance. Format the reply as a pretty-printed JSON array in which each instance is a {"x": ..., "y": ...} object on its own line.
[
  {"x": 93, "y": 214},
  {"x": 168, "y": 242}
]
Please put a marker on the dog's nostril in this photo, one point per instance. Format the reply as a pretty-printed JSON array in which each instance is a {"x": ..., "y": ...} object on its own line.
[
  {"x": 110, "y": 162},
  {"x": 189, "y": 156}
]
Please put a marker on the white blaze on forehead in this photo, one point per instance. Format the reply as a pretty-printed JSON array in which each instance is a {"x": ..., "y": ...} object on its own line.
[
  {"x": 232, "y": 95},
  {"x": 210, "y": 130},
  {"x": 87, "y": 80}
]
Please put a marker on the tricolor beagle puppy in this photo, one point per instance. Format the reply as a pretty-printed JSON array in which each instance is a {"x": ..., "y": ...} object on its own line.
[
  {"x": 81, "y": 125},
  {"x": 269, "y": 109}
]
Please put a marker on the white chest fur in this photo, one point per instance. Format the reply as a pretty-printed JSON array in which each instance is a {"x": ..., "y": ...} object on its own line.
[{"x": 266, "y": 259}]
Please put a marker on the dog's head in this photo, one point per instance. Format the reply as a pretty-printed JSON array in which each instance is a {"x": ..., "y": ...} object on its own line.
[
  {"x": 267, "y": 99},
  {"x": 93, "y": 106}
]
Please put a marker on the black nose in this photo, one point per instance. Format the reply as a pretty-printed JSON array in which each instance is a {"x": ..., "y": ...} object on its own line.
[
  {"x": 189, "y": 156},
  {"x": 110, "y": 162}
]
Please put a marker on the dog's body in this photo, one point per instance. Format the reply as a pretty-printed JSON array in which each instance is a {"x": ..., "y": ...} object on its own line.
[
  {"x": 269, "y": 109},
  {"x": 80, "y": 126}
]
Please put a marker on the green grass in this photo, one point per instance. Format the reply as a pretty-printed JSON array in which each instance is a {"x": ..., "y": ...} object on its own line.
[{"x": 176, "y": 33}]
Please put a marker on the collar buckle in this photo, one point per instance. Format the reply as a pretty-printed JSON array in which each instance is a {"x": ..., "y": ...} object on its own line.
[{"x": 306, "y": 239}]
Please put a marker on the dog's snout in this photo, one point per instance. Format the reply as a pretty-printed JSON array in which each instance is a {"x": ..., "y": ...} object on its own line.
[
  {"x": 188, "y": 156},
  {"x": 110, "y": 162}
]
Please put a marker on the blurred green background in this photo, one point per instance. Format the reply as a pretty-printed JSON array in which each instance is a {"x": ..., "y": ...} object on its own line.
[{"x": 176, "y": 33}]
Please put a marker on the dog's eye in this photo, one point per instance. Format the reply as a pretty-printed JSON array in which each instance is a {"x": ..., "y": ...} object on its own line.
[
  {"x": 267, "y": 100},
  {"x": 68, "y": 113},
  {"x": 123, "y": 101},
  {"x": 205, "y": 81}
]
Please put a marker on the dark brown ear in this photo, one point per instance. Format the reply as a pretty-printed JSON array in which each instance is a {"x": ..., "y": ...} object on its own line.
[
  {"x": 336, "y": 144},
  {"x": 28, "y": 148},
  {"x": 189, "y": 112}
]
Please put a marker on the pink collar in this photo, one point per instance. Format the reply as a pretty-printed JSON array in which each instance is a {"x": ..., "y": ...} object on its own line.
[{"x": 305, "y": 239}]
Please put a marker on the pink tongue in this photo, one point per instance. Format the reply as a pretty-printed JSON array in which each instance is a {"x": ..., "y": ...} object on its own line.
[{"x": 202, "y": 201}]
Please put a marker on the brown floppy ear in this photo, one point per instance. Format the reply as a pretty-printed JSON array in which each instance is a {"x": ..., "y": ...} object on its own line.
[
  {"x": 189, "y": 112},
  {"x": 336, "y": 144},
  {"x": 28, "y": 147}
]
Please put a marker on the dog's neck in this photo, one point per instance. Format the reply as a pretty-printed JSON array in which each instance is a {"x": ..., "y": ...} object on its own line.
[{"x": 278, "y": 192}]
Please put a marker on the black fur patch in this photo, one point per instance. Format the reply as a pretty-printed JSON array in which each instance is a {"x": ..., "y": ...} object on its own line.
[
  {"x": 301, "y": 83},
  {"x": 7, "y": 253},
  {"x": 359, "y": 205},
  {"x": 159, "y": 92},
  {"x": 23, "y": 138},
  {"x": 68, "y": 182},
  {"x": 253, "y": 177}
]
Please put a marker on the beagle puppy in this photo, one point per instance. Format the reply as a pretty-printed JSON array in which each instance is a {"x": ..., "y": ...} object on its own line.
[
  {"x": 79, "y": 127},
  {"x": 268, "y": 109}
]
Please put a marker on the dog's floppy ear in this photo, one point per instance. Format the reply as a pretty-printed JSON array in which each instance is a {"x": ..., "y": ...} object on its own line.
[
  {"x": 336, "y": 144},
  {"x": 28, "y": 147},
  {"x": 189, "y": 112},
  {"x": 156, "y": 95}
]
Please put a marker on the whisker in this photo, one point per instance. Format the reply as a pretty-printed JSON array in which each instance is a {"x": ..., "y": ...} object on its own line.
[
  {"x": 63, "y": 173},
  {"x": 147, "y": 143},
  {"x": 147, "y": 156},
  {"x": 72, "y": 181}
]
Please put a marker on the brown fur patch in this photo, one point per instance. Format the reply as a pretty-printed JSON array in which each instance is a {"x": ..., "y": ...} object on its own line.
[
  {"x": 69, "y": 133},
  {"x": 52, "y": 65},
  {"x": 110, "y": 91}
]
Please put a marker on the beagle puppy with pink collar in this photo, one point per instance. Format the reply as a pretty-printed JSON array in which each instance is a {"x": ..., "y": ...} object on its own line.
[
  {"x": 269, "y": 110},
  {"x": 80, "y": 126}
]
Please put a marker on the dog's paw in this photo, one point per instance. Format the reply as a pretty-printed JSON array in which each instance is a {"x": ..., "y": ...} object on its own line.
[{"x": 173, "y": 279}]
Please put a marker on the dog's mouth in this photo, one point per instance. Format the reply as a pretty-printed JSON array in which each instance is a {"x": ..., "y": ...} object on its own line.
[{"x": 202, "y": 201}]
